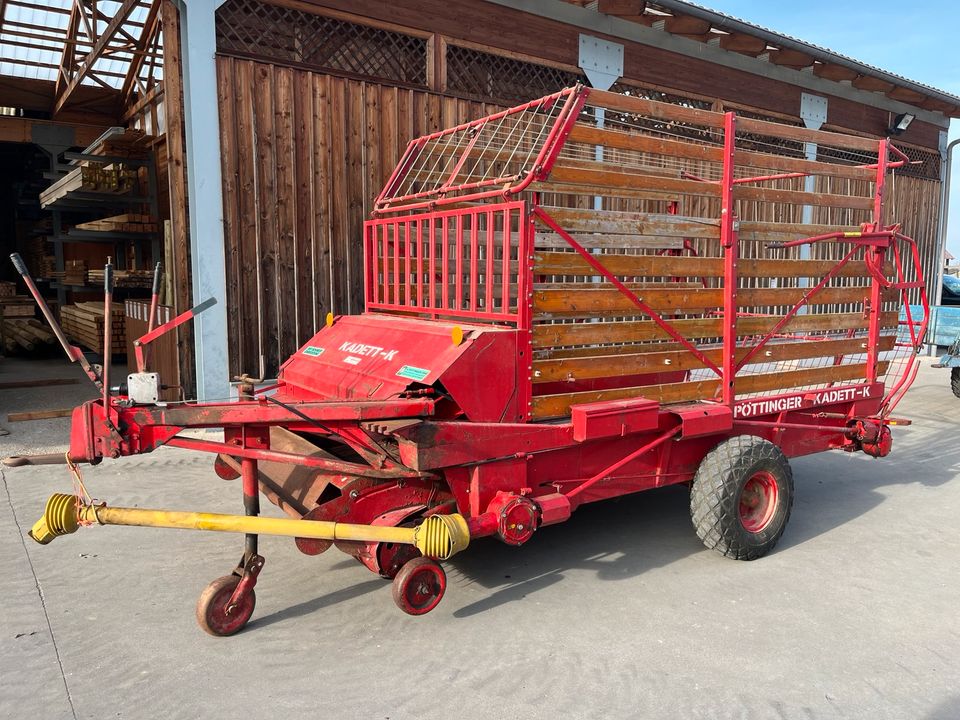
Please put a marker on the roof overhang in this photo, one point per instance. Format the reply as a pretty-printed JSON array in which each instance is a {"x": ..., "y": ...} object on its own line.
[{"x": 691, "y": 30}]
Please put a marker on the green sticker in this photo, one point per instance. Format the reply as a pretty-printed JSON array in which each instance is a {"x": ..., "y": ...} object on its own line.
[
  {"x": 313, "y": 351},
  {"x": 413, "y": 373}
]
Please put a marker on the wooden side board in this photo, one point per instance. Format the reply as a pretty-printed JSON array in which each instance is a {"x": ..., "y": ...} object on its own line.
[
  {"x": 597, "y": 181},
  {"x": 581, "y": 368},
  {"x": 549, "y": 406},
  {"x": 557, "y": 263},
  {"x": 589, "y": 302},
  {"x": 619, "y": 140},
  {"x": 715, "y": 120},
  {"x": 639, "y": 331},
  {"x": 661, "y": 225}
]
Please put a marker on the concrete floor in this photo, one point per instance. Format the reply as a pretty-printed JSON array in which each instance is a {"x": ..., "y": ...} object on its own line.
[{"x": 618, "y": 613}]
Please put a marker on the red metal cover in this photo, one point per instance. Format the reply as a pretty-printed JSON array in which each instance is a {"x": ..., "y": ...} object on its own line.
[
  {"x": 613, "y": 418},
  {"x": 698, "y": 419},
  {"x": 374, "y": 356}
]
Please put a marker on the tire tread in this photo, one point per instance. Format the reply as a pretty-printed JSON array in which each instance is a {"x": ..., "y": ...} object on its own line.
[{"x": 714, "y": 497}]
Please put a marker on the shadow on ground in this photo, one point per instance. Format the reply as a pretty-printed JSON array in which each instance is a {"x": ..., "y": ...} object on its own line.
[{"x": 625, "y": 537}]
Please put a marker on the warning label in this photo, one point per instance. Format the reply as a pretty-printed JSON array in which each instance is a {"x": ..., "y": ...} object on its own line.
[{"x": 412, "y": 373}]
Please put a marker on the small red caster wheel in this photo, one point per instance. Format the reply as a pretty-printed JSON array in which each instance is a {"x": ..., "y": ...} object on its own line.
[
  {"x": 419, "y": 586},
  {"x": 212, "y": 613}
]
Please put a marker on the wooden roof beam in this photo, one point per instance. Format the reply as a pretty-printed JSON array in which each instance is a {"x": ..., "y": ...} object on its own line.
[
  {"x": 791, "y": 58},
  {"x": 621, "y": 8},
  {"x": 15, "y": 129},
  {"x": 743, "y": 44},
  {"x": 906, "y": 95},
  {"x": 151, "y": 28},
  {"x": 69, "y": 50},
  {"x": 837, "y": 73},
  {"x": 86, "y": 68},
  {"x": 686, "y": 25},
  {"x": 873, "y": 84}
]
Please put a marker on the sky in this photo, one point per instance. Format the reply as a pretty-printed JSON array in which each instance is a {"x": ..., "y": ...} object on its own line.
[{"x": 916, "y": 39}]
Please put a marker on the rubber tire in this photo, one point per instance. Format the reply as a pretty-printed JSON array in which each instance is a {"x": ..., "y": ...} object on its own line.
[
  {"x": 955, "y": 380},
  {"x": 210, "y": 615},
  {"x": 420, "y": 569},
  {"x": 715, "y": 496}
]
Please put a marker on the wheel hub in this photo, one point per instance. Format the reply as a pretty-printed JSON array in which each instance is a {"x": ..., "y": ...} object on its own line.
[{"x": 758, "y": 501}]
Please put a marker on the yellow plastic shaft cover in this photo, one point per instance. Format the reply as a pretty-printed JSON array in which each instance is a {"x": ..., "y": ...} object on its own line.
[{"x": 438, "y": 536}]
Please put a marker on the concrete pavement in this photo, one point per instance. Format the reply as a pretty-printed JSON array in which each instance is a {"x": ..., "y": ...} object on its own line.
[{"x": 620, "y": 612}]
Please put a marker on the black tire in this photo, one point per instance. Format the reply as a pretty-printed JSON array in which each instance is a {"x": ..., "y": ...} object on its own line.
[
  {"x": 955, "y": 381},
  {"x": 738, "y": 524}
]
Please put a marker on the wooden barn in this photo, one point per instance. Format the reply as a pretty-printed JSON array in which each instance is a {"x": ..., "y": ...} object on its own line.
[{"x": 256, "y": 191}]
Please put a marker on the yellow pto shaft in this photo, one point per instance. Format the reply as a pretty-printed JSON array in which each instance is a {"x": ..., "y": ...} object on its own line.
[{"x": 438, "y": 536}]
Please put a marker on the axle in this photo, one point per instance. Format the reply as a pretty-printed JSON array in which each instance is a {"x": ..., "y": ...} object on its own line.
[{"x": 438, "y": 536}]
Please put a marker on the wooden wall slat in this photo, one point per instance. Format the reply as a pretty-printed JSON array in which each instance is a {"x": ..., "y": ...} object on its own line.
[
  {"x": 339, "y": 186},
  {"x": 230, "y": 96},
  {"x": 267, "y": 241},
  {"x": 177, "y": 176},
  {"x": 286, "y": 222},
  {"x": 322, "y": 197},
  {"x": 356, "y": 188},
  {"x": 303, "y": 210},
  {"x": 247, "y": 349}
]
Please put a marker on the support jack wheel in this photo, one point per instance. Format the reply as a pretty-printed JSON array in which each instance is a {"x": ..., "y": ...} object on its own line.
[
  {"x": 212, "y": 614},
  {"x": 419, "y": 586},
  {"x": 226, "y": 605}
]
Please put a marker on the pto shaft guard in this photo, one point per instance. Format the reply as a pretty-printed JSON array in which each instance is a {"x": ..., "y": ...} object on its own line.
[{"x": 438, "y": 536}]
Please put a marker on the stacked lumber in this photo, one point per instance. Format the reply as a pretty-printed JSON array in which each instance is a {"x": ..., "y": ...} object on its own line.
[
  {"x": 112, "y": 178},
  {"x": 74, "y": 273},
  {"x": 128, "y": 144},
  {"x": 25, "y": 334},
  {"x": 83, "y": 323},
  {"x": 128, "y": 222},
  {"x": 45, "y": 266},
  {"x": 16, "y": 306},
  {"x": 38, "y": 257},
  {"x": 123, "y": 278}
]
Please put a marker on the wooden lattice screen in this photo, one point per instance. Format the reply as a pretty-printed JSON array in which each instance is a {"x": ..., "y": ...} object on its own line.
[
  {"x": 485, "y": 76},
  {"x": 252, "y": 28}
]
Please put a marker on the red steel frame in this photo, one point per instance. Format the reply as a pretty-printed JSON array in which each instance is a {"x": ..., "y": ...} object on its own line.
[{"x": 560, "y": 464}]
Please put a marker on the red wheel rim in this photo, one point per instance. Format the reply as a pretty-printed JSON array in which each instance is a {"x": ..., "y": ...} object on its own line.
[
  {"x": 420, "y": 586},
  {"x": 758, "y": 501},
  {"x": 219, "y": 621}
]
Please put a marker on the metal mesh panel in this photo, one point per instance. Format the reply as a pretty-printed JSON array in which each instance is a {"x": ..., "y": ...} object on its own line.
[
  {"x": 489, "y": 77},
  {"x": 254, "y": 28},
  {"x": 494, "y": 151}
]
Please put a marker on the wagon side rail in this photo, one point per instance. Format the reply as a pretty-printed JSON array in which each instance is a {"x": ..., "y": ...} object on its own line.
[{"x": 687, "y": 291}]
